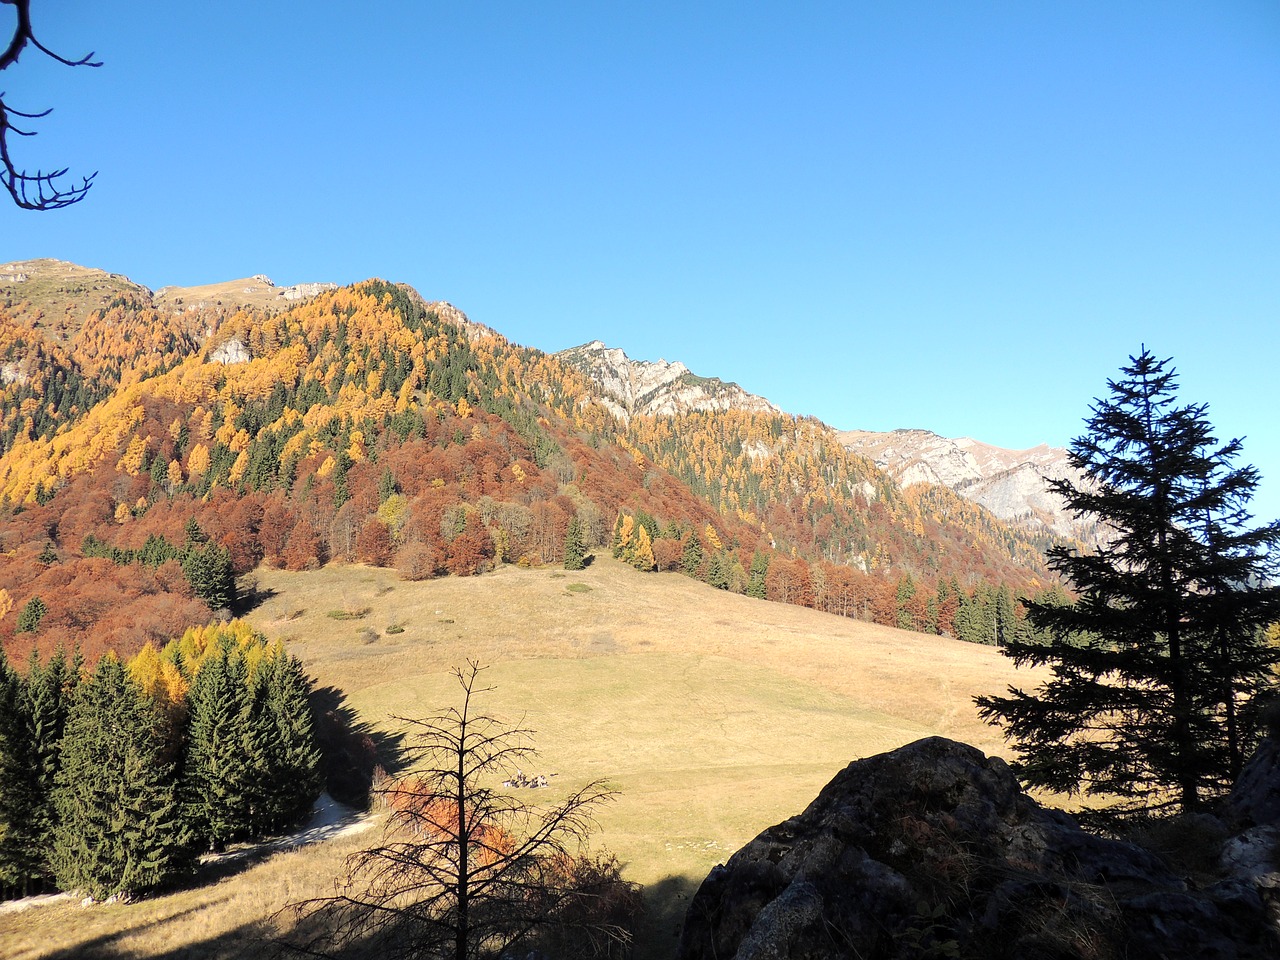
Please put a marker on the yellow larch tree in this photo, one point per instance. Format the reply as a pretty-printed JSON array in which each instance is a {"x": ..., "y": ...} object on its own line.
[
  {"x": 642, "y": 559},
  {"x": 238, "y": 468},
  {"x": 198, "y": 461},
  {"x": 134, "y": 454}
]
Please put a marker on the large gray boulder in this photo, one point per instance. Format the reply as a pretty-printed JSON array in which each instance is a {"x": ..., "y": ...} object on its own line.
[
  {"x": 1255, "y": 798},
  {"x": 933, "y": 850}
]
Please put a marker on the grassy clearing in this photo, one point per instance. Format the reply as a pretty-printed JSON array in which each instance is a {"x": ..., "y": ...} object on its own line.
[{"x": 713, "y": 715}]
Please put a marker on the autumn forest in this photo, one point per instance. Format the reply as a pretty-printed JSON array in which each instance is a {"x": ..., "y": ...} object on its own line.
[{"x": 153, "y": 457}]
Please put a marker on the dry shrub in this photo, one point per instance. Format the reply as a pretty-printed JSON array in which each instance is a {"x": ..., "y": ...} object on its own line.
[
  {"x": 598, "y": 917},
  {"x": 418, "y": 561}
]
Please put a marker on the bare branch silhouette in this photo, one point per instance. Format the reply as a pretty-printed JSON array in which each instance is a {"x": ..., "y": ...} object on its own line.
[
  {"x": 466, "y": 871},
  {"x": 39, "y": 190}
]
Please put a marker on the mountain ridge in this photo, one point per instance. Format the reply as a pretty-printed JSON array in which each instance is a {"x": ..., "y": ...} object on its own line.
[
  {"x": 282, "y": 435},
  {"x": 657, "y": 388},
  {"x": 1012, "y": 484}
]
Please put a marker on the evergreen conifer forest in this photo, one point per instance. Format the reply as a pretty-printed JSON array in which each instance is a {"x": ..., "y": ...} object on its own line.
[{"x": 113, "y": 780}]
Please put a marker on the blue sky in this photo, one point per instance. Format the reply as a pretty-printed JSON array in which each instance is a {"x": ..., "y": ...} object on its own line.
[{"x": 956, "y": 216}]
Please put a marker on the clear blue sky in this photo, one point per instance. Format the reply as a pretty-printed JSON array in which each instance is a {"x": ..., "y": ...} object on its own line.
[{"x": 956, "y": 216}]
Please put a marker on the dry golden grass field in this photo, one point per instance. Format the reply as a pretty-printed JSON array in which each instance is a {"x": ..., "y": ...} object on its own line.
[{"x": 713, "y": 716}]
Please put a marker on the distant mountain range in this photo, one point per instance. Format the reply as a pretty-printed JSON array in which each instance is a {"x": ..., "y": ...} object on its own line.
[{"x": 1012, "y": 484}]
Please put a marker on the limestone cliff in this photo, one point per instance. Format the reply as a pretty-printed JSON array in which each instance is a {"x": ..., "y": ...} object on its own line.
[
  {"x": 1012, "y": 484},
  {"x": 643, "y": 387}
]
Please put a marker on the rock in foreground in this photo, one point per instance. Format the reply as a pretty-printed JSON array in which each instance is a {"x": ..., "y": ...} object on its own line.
[{"x": 932, "y": 850}]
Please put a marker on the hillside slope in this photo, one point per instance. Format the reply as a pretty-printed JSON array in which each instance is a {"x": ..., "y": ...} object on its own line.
[
  {"x": 713, "y": 715},
  {"x": 155, "y": 453}
]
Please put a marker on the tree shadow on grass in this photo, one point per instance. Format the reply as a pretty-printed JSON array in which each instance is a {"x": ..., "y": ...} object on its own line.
[
  {"x": 108, "y": 946},
  {"x": 353, "y": 751},
  {"x": 250, "y": 594},
  {"x": 258, "y": 939},
  {"x": 295, "y": 932}
]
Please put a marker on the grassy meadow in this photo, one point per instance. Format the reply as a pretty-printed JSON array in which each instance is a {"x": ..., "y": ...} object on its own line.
[{"x": 713, "y": 716}]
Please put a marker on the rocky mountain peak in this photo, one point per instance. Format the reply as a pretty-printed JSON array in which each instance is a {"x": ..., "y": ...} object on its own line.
[
  {"x": 656, "y": 388},
  {"x": 1012, "y": 484}
]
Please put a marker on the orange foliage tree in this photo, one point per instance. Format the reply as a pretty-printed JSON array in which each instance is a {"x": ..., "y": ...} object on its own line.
[{"x": 465, "y": 870}]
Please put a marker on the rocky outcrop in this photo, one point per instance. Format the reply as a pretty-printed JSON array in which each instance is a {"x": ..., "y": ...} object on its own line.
[
  {"x": 646, "y": 388},
  {"x": 1012, "y": 484},
  {"x": 932, "y": 850},
  {"x": 232, "y": 351},
  {"x": 305, "y": 291},
  {"x": 448, "y": 313},
  {"x": 13, "y": 372},
  {"x": 1255, "y": 798}
]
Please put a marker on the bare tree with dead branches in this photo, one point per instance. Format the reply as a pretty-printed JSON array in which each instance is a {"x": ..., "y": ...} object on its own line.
[
  {"x": 467, "y": 871},
  {"x": 39, "y": 190}
]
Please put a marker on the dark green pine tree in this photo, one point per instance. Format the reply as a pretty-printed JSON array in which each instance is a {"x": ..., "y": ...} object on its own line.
[
  {"x": 719, "y": 569},
  {"x": 1005, "y": 620},
  {"x": 119, "y": 826},
  {"x": 1153, "y": 662},
  {"x": 298, "y": 763},
  {"x": 193, "y": 532},
  {"x": 208, "y": 569},
  {"x": 575, "y": 551},
  {"x": 262, "y": 751},
  {"x": 757, "y": 574},
  {"x": 970, "y": 618},
  {"x": 691, "y": 556},
  {"x": 649, "y": 523},
  {"x": 1232, "y": 609},
  {"x": 31, "y": 615},
  {"x": 281, "y": 745},
  {"x": 387, "y": 485},
  {"x": 906, "y": 590},
  {"x": 50, "y": 689},
  {"x": 218, "y": 777},
  {"x": 21, "y": 855},
  {"x": 616, "y": 543}
]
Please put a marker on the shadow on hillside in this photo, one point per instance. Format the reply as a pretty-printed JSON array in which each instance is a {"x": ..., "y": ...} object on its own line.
[
  {"x": 108, "y": 946},
  {"x": 250, "y": 594},
  {"x": 353, "y": 751},
  {"x": 295, "y": 932},
  {"x": 291, "y": 933}
]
